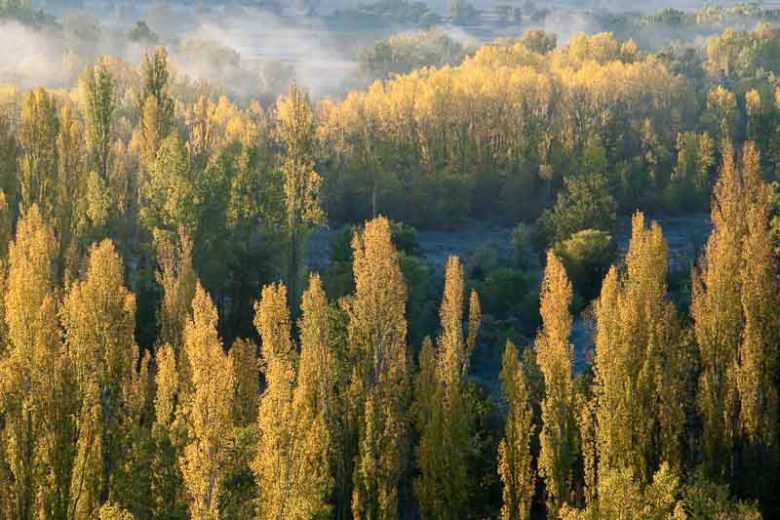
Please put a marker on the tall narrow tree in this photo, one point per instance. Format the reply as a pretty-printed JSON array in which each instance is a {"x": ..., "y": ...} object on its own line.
[
  {"x": 155, "y": 105},
  {"x": 38, "y": 128},
  {"x": 32, "y": 374},
  {"x": 555, "y": 356},
  {"x": 444, "y": 439},
  {"x": 716, "y": 308},
  {"x": 314, "y": 405},
  {"x": 99, "y": 320},
  {"x": 515, "y": 461},
  {"x": 380, "y": 381},
  {"x": 273, "y": 465},
  {"x": 70, "y": 207},
  {"x": 210, "y": 410},
  {"x": 295, "y": 121},
  {"x": 100, "y": 93},
  {"x": 639, "y": 420}
]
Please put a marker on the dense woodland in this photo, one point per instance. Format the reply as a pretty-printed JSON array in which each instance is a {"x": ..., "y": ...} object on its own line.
[{"x": 166, "y": 353}]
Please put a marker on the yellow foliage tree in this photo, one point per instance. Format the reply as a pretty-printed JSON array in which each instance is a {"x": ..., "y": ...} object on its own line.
[{"x": 210, "y": 406}]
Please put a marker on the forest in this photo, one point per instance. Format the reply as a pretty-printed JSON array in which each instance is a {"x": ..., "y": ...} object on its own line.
[{"x": 221, "y": 305}]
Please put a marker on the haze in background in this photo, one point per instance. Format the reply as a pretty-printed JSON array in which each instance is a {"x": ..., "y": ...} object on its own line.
[{"x": 251, "y": 51}]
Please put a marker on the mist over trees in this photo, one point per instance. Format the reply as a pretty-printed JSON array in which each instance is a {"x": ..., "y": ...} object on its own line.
[{"x": 169, "y": 350}]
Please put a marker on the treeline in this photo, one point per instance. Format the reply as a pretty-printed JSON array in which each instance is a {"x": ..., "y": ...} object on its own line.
[
  {"x": 497, "y": 136},
  {"x": 336, "y": 415},
  {"x": 145, "y": 226}
]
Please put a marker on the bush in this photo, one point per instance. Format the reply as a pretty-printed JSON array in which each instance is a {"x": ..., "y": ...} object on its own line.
[
  {"x": 584, "y": 203},
  {"x": 587, "y": 256}
]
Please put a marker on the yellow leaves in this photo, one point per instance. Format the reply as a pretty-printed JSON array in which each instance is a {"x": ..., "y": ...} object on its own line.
[
  {"x": 114, "y": 512},
  {"x": 313, "y": 409},
  {"x": 377, "y": 314},
  {"x": 515, "y": 460},
  {"x": 273, "y": 464},
  {"x": 210, "y": 409},
  {"x": 554, "y": 355},
  {"x": 38, "y": 127},
  {"x": 295, "y": 124},
  {"x": 553, "y": 343},
  {"x": 377, "y": 339},
  {"x": 452, "y": 349},
  {"x": 635, "y": 349},
  {"x": 30, "y": 281},
  {"x": 731, "y": 292},
  {"x": 166, "y": 381},
  {"x": 443, "y": 413},
  {"x": 272, "y": 320},
  {"x": 177, "y": 278}
]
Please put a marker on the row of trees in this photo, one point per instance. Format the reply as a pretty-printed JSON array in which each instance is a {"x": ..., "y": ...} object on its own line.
[
  {"x": 518, "y": 121},
  {"x": 146, "y": 218},
  {"x": 118, "y": 159},
  {"x": 520, "y": 118},
  {"x": 670, "y": 418}
]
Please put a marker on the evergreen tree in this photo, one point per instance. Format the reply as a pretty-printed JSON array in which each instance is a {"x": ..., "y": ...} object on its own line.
[
  {"x": 515, "y": 462},
  {"x": 554, "y": 355}
]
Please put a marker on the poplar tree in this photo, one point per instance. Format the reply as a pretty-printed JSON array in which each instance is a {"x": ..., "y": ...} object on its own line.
[
  {"x": 428, "y": 417},
  {"x": 757, "y": 353},
  {"x": 99, "y": 320},
  {"x": 295, "y": 122},
  {"x": 99, "y": 95},
  {"x": 554, "y": 355},
  {"x": 9, "y": 161},
  {"x": 273, "y": 464},
  {"x": 155, "y": 105},
  {"x": 314, "y": 405},
  {"x": 716, "y": 308},
  {"x": 515, "y": 461},
  {"x": 168, "y": 431},
  {"x": 639, "y": 382},
  {"x": 176, "y": 276},
  {"x": 70, "y": 208},
  {"x": 444, "y": 440},
  {"x": 100, "y": 92},
  {"x": 240, "y": 491},
  {"x": 210, "y": 405},
  {"x": 380, "y": 380},
  {"x": 756, "y": 371},
  {"x": 34, "y": 387},
  {"x": 38, "y": 128}
]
